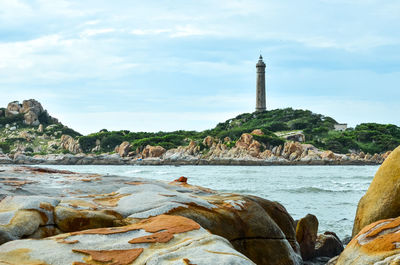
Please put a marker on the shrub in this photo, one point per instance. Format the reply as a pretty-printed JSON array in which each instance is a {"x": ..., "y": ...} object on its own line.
[
  {"x": 87, "y": 143},
  {"x": 109, "y": 142},
  {"x": 5, "y": 147}
]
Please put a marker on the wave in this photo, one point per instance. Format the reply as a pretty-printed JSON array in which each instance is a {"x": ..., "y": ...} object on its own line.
[{"x": 317, "y": 190}]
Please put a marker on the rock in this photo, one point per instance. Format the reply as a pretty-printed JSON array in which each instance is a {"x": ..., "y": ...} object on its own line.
[
  {"x": 328, "y": 245},
  {"x": 376, "y": 243},
  {"x": 257, "y": 132},
  {"x": 385, "y": 155},
  {"x": 328, "y": 155},
  {"x": 123, "y": 149},
  {"x": 13, "y": 128},
  {"x": 4, "y": 159},
  {"x": 40, "y": 129},
  {"x": 244, "y": 141},
  {"x": 31, "y": 105},
  {"x": 260, "y": 229},
  {"x": 227, "y": 139},
  {"x": 14, "y": 107},
  {"x": 153, "y": 151},
  {"x": 381, "y": 201},
  {"x": 69, "y": 143},
  {"x": 156, "y": 240},
  {"x": 181, "y": 179},
  {"x": 208, "y": 141},
  {"x": 306, "y": 235},
  {"x": 31, "y": 118},
  {"x": 292, "y": 147}
]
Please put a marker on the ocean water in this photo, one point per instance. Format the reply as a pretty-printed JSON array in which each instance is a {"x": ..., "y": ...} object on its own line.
[{"x": 329, "y": 192}]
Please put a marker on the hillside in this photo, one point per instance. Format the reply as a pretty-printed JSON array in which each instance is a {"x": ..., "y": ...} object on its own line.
[{"x": 29, "y": 129}]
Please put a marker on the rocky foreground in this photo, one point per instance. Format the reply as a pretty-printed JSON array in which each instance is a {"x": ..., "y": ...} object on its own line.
[{"x": 61, "y": 217}]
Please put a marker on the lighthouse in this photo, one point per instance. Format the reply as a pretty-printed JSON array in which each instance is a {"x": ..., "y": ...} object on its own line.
[{"x": 260, "y": 94}]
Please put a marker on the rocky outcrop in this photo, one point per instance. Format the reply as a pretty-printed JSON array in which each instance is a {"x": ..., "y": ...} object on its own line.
[
  {"x": 32, "y": 110},
  {"x": 153, "y": 151},
  {"x": 306, "y": 235},
  {"x": 156, "y": 240},
  {"x": 123, "y": 149},
  {"x": 376, "y": 243},
  {"x": 69, "y": 143},
  {"x": 382, "y": 199},
  {"x": 260, "y": 229}
]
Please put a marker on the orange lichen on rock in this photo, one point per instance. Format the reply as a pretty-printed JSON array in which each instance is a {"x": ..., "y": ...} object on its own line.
[
  {"x": 63, "y": 241},
  {"x": 46, "y": 206},
  {"x": 112, "y": 257},
  {"x": 395, "y": 223},
  {"x": 380, "y": 236},
  {"x": 109, "y": 201},
  {"x": 160, "y": 237},
  {"x": 135, "y": 183},
  {"x": 173, "y": 224},
  {"x": 19, "y": 256},
  {"x": 17, "y": 182},
  {"x": 81, "y": 203}
]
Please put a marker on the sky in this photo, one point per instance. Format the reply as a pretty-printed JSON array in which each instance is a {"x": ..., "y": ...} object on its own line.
[{"x": 189, "y": 64}]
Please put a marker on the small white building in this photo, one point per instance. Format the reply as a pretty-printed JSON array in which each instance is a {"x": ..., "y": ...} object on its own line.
[{"x": 340, "y": 127}]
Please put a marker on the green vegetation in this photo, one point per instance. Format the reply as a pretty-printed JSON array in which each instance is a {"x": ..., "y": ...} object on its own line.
[
  {"x": 18, "y": 119},
  {"x": 317, "y": 129},
  {"x": 58, "y": 129}
]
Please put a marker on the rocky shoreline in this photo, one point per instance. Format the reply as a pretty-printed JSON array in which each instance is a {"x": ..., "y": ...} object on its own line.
[
  {"x": 114, "y": 159},
  {"x": 246, "y": 152}
]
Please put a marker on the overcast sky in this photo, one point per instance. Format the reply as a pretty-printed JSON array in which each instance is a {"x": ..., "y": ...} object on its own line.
[{"x": 189, "y": 64}]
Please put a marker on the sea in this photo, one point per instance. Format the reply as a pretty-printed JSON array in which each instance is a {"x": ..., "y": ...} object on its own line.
[{"x": 329, "y": 192}]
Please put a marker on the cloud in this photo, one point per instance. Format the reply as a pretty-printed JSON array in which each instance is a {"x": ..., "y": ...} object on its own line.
[{"x": 94, "y": 32}]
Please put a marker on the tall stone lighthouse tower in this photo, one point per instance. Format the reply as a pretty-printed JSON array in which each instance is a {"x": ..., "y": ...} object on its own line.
[{"x": 260, "y": 100}]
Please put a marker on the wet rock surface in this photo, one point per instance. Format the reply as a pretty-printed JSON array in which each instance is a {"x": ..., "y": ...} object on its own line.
[{"x": 38, "y": 203}]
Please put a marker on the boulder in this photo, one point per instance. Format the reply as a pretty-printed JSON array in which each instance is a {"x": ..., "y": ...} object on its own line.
[
  {"x": 157, "y": 240},
  {"x": 14, "y": 107},
  {"x": 40, "y": 129},
  {"x": 382, "y": 199},
  {"x": 69, "y": 143},
  {"x": 328, "y": 244},
  {"x": 208, "y": 141},
  {"x": 153, "y": 151},
  {"x": 123, "y": 149},
  {"x": 32, "y": 105},
  {"x": 306, "y": 235},
  {"x": 292, "y": 147},
  {"x": 376, "y": 243},
  {"x": 244, "y": 141},
  {"x": 328, "y": 155}
]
